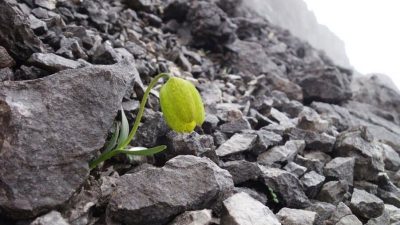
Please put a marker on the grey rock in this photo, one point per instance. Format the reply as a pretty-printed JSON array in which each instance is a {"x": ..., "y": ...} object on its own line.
[
  {"x": 367, "y": 186},
  {"x": 287, "y": 185},
  {"x": 52, "y": 62},
  {"x": 281, "y": 118},
  {"x": 366, "y": 205},
  {"x": 211, "y": 93},
  {"x": 209, "y": 25},
  {"x": 324, "y": 84},
  {"x": 152, "y": 129},
  {"x": 203, "y": 182},
  {"x": 238, "y": 143},
  {"x": 333, "y": 192},
  {"x": 292, "y": 90},
  {"x": 310, "y": 163},
  {"x": 338, "y": 116},
  {"x": 318, "y": 155},
  {"x": 378, "y": 90},
  {"x": 295, "y": 169},
  {"x": 394, "y": 213},
  {"x": 190, "y": 144},
  {"x": 19, "y": 39},
  {"x": 357, "y": 143},
  {"x": 387, "y": 191},
  {"x": 289, "y": 216},
  {"x": 391, "y": 158},
  {"x": 105, "y": 54},
  {"x": 257, "y": 195},
  {"x": 210, "y": 123},
  {"x": 6, "y": 74},
  {"x": 200, "y": 217},
  {"x": 72, "y": 47},
  {"x": 73, "y": 120},
  {"x": 241, "y": 209},
  {"x": 242, "y": 170},
  {"x": 281, "y": 154},
  {"x": 310, "y": 120},
  {"x": 37, "y": 25},
  {"x": 340, "y": 168},
  {"x": 265, "y": 140},
  {"x": 314, "y": 140},
  {"x": 312, "y": 183},
  {"x": 384, "y": 219},
  {"x": 5, "y": 59},
  {"x": 250, "y": 59},
  {"x": 235, "y": 126},
  {"x": 324, "y": 211},
  {"x": 343, "y": 216},
  {"x": 48, "y": 4},
  {"x": 145, "y": 5},
  {"x": 51, "y": 218}
]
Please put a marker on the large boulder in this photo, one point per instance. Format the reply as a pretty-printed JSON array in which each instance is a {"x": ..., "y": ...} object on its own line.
[
  {"x": 155, "y": 195},
  {"x": 50, "y": 129}
]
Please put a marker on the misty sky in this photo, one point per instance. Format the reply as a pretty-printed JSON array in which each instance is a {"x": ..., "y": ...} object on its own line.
[{"x": 370, "y": 30}]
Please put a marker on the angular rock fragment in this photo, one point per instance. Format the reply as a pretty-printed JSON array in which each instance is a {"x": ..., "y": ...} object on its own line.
[
  {"x": 343, "y": 216},
  {"x": 281, "y": 154},
  {"x": 5, "y": 59},
  {"x": 265, "y": 140},
  {"x": 242, "y": 170},
  {"x": 241, "y": 209},
  {"x": 340, "y": 168},
  {"x": 238, "y": 143},
  {"x": 366, "y": 205},
  {"x": 235, "y": 126},
  {"x": 289, "y": 216},
  {"x": 312, "y": 183},
  {"x": 333, "y": 192},
  {"x": 49, "y": 132},
  {"x": 368, "y": 156},
  {"x": 18, "y": 39},
  {"x": 155, "y": 195},
  {"x": 287, "y": 185},
  {"x": 200, "y": 217},
  {"x": 52, "y": 62},
  {"x": 295, "y": 169},
  {"x": 391, "y": 158},
  {"x": 314, "y": 140},
  {"x": 51, "y": 218}
]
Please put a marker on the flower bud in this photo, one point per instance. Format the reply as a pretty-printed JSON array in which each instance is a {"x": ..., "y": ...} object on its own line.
[{"x": 181, "y": 105}]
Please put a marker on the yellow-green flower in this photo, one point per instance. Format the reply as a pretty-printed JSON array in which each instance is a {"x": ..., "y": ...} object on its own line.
[{"x": 181, "y": 105}]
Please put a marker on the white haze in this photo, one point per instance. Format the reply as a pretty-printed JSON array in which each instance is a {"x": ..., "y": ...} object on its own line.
[{"x": 370, "y": 30}]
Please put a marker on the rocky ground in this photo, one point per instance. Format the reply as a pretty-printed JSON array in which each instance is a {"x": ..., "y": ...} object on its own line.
[{"x": 289, "y": 137}]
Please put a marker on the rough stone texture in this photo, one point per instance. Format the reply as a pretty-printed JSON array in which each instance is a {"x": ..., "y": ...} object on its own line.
[
  {"x": 281, "y": 154},
  {"x": 312, "y": 183},
  {"x": 333, "y": 192},
  {"x": 338, "y": 116},
  {"x": 250, "y": 59},
  {"x": 5, "y": 59},
  {"x": 324, "y": 84},
  {"x": 324, "y": 211},
  {"x": 52, "y": 62},
  {"x": 343, "y": 216},
  {"x": 210, "y": 25},
  {"x": 394, "y": 213},
  {"x": 242, "y": 170},
  {"x": 18, "y": 39},
  {"x": 314, "y": 140},
  {"x": 391, "y": 158},
  {"x": 384, "y": 219},
  {"x": 200, "y": 217},
  {"x": 295, "y": 169},
  {"x": 287, "y": 185},
  {"x": 289, "y": 216},
  {"x": 241, "y": 209},
  {"x": 368, "y": 156},
  {"x": 49, "y": 132},
  {"x": 154, "y": 195},
  {"x": 340, "y": 168},
  {"x": 265, "y": 140},
  {"x": 366, "y": 205},
  {"x": 51, "y": 218},
  {"x": 236, "y": 144}
]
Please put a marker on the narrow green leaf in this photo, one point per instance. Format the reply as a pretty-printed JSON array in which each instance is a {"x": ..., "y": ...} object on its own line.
[
  {"x": 113, "y": 141},
  {"x": 124, "y": 130},
  {"x": 144, "y": 151}
]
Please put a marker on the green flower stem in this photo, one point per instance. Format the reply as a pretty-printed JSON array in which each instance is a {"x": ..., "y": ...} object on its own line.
[{"x": 120, "y": 148}]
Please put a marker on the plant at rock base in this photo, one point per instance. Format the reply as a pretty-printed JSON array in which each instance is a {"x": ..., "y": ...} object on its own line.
[{"x": 182, "y": 109}]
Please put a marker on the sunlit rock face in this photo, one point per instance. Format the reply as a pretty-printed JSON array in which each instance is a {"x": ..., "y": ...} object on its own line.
[{"x": 296, "y": 17}]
